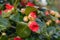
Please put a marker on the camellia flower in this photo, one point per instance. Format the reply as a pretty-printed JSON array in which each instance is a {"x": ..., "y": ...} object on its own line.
[
  {"x": 8, "y": 6},
  {"x": 32, "y": 16},
  {"x": 0, "y": 12},
  {"x": 17, "y": 38},
  {"x": 57, "y": 21},
  {"x": 6, "y": 10},
  {"x": 23, "y": 2},
  {"x": 52, "y": 12},
  {"x": 30, "y": 4},
  {"x": 25, "y": 18},
  {"x": 46, "y": 13},
  {"x": 33, "y": 26}
]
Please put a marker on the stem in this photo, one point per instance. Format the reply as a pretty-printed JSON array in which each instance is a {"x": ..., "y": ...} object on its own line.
[{"x": 15, "y": 6}]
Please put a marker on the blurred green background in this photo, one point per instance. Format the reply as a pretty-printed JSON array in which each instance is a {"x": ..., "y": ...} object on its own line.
[{"x": 54, "y": 4}]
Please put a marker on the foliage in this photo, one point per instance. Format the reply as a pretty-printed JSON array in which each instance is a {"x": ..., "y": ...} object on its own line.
[{"x": 15, "y": 20}]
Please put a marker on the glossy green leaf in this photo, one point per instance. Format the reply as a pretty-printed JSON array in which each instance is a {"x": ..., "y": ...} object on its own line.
[
  {"x": 22, "y": 30},
  {"x": 51, "y": 30},
  {"x": 57, "y": 35},
  {"x": 4, "y": 23},
  {"x": 40, "y": 13},
  {"x": 4, "y": 37},
  {"x": 7, "y": 14},
  {"x": 32, "y": 38},
  {"x": 17, "y": 18},
  {"x": 1, "y": 6},
  {"x": 53, "y": 18},
  {"x": 11, "y": 1},
  {"x": 29, "y": 9}
]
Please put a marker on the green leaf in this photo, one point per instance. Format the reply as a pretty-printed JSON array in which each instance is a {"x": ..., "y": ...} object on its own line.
[
  {"x": 58, "y": 28},
  {"x": 4, "y": 23},
  {"x": 57, "y": 35},
  {"x": 17, "y": 18},
  {"x": 54, "y": 8},
  {"x": 33, "y": 37},
  {"x": 6, "y": 14},
  {"x": 22, "y": 30},
  {"x": 40, "y": 13},
  {"x": 11, "y": 1},
  {"x": 30, "y": 38},
  {"x": 4, "y": 37},
  {"x": 51, "y": 30},
  {"x": 53, "y": 18},
  {"x": 29, "y": 9},
  {"x": 1, "y": 6}
]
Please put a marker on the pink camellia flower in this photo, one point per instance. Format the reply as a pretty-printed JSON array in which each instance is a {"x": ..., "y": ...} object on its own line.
[
  {"x": 0, "y": 12},
  {"x": 22, "y": 3},
  {"x": 57, "y": 21},
  {"x": 32, "y": 14},
  {"x": 30, "y": 4},
  {"x": 46, "y": 13},
  {"x": 33, "y": 26},
  {"x": 7, "y": 11},
  {"x": 17, "y": 38},
  {"x": 52, "y": 12},
  {"x": 8, "y": 6}
]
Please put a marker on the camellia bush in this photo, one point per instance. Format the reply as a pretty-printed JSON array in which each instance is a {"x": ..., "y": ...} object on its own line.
[{"x": 28, "y": 20}]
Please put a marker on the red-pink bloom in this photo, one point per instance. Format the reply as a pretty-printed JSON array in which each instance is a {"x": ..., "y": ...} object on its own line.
[
  {"x": 23, "y": 4},
  {"x": 6, "y": 10},
  {"x": 33, "y": 26},
  {"x": 32, "y": 14},
  {"x": 57, "y": 21},
  {"x": 30, "y": 4},
  {"x": 46, "y": 13},
  {"x": 0, "y": 12},
  {"x": 8, "y": 6},
  {"x": 17, "y": 38}
]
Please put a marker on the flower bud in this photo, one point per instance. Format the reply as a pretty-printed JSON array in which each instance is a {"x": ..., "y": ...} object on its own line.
[
  {"x": 48, "y": 22},
  {"x": 57, "y": 15},
  {"x": 23, "y": 10},
  {"x": 17, "y": 38},
  {"x": 3, "y": 33},
  {"x": 25, "y": 18},
  {"x": 52, "y": 12}
]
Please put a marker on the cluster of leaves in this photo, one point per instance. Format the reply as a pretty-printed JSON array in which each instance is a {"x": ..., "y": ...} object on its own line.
[{"x": 14, "y": 25}]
